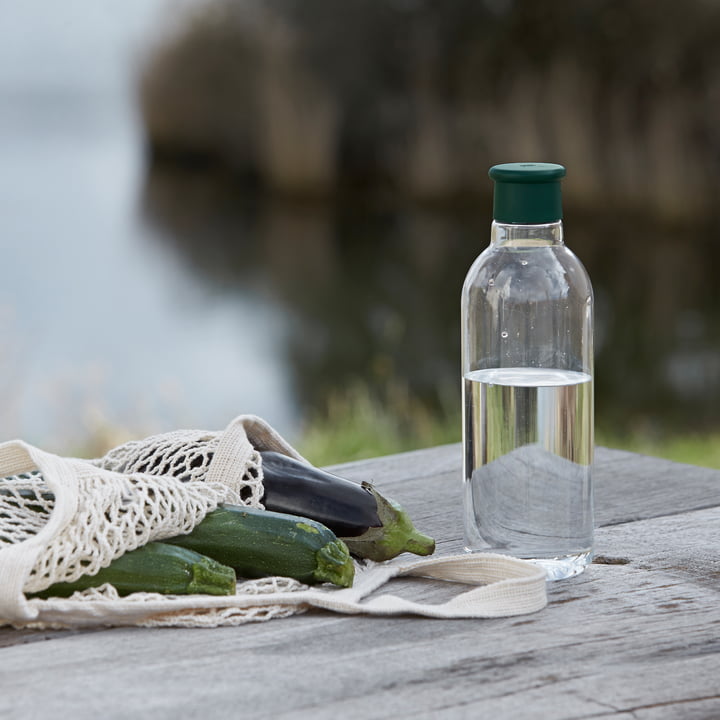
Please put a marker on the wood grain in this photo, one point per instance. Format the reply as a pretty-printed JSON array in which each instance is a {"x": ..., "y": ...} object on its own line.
[
  {"x": 636, "y": 636},
  {"x": 628, "y": 486}
]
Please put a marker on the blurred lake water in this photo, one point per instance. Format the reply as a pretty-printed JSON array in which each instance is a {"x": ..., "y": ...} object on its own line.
[
  {"x": 152, "y": 297},
  {"x": 103, "y": 322}
]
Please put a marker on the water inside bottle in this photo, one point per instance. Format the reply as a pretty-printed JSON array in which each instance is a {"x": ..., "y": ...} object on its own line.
[{"x": 529, "y": 445}]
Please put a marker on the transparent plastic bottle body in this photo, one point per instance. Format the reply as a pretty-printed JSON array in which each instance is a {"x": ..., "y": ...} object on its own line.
[{"x": 527, "y": 365}]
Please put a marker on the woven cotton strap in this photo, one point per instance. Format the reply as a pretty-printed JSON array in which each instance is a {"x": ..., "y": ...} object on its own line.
[
  {"x": 507, "y": 587},
  {"x": 232, "y": 457},
  {"x": 237, "y": 454},
  {"x": 18, "y": 560}
]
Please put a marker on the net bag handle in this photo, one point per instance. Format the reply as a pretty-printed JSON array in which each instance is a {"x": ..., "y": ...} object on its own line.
[{"x": 17, "y": 560}]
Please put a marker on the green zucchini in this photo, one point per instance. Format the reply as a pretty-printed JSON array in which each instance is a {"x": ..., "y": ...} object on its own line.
[
  {"x": 259, "y": 543},
  {"x": 155, "y": 567}
]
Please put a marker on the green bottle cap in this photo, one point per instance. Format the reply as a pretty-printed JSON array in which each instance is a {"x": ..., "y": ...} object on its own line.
[{"x": 527, "y": 193}]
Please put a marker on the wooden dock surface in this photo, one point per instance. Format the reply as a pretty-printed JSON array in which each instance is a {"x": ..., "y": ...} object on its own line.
[{"x": 635, "y": 636}]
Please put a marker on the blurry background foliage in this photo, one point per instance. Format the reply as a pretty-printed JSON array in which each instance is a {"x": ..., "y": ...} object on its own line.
[{"x": 325, "y": 164}]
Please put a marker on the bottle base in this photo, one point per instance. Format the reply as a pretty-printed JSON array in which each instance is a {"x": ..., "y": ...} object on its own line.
[
  {"x": 565, "y": 567},
  {"x": 557, "y": 568}
]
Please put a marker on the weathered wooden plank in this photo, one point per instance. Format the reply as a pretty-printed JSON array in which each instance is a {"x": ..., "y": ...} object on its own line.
[
  {"x": 639, "y": 637},
  {"x": 633, "y": 487},
  {"x": 8, "y": 636},
  {"x": 412, "y": 465},
  {"x": 628, "y": 486},
  {"x": 634, "y": 637}
]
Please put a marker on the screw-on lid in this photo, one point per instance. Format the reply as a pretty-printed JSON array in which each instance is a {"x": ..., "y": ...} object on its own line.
[{"x": 527, "y": 193}]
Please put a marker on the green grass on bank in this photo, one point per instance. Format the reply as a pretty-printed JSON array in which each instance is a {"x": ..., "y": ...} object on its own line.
[
  {"x": 357, "y": 425},
  {"x": 364, "y": 435},
  {"x": 695, "y": 449}
]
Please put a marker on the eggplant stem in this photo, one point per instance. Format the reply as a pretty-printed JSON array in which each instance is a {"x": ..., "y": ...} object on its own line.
[{"x": 395, "y": 534}]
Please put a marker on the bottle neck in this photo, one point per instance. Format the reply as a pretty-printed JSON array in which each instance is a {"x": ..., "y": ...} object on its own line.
[{"x": 504, "y": 235}]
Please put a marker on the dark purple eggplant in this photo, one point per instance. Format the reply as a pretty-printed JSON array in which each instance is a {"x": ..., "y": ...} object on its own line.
[
  {"x": 299, "y": 489},
  {"x": 372, "y": 526}
]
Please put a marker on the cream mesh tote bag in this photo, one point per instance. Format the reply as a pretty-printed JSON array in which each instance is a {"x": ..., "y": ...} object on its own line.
[{"x": 61, "y": 518}]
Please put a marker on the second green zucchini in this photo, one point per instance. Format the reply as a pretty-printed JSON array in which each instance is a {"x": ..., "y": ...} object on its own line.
[
  {"x": 155, "y": 567},
  {"x": 258, "y": 543}
]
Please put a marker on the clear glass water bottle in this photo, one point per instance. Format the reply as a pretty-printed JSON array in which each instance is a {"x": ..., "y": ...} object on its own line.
[{"x": 527, "y": 365}]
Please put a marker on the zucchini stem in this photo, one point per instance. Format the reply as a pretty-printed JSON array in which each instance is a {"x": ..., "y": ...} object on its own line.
[
  {"x": 211, "y": 578},
  {"x": 334, "y": 564}
]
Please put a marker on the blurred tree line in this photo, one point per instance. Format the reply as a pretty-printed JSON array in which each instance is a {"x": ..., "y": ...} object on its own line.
[
  {"x": 334, "y": 155},
  {"x": 419, "y": 97}
]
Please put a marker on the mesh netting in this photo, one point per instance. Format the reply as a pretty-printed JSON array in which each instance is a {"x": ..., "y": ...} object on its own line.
[
  {"x": 217, "y": 616},
  {"x": 25, "y": 504},
  {"x": 183, "y": 454},
  {"x": 108, "y": 514},
  {"x": 106, "y": 597},
  {"x": 188, "y": 455},
  {"x": 61, "y": 518}
]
